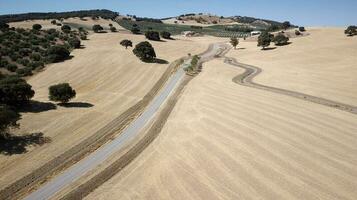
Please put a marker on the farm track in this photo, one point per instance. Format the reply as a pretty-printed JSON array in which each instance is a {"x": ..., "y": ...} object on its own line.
[{"x": 246, "y": 79}]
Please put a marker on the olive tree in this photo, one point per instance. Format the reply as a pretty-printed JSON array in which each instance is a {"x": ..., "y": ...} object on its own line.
[
  {"x": 264, "y": 39},
  {"x": 15, "y": 91},
  {"x": 97, "y": 28},
  {"x": 234, "y": 42},
  {"x": 62, "y": 92},
  {"x": 8, "y": 119},
  {"x": 126, "y": 43},
  {"x": 280, "y": 40},
  {"x": 145, "y": 51}
]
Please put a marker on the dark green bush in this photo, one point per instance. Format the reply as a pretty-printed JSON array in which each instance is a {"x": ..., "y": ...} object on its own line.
[
  {"x": 27, "y": 71},
  {"x": 15, "y": 91},
  {"x": 97, "y": 28},
  {"x": 35, "y": 56},
  {"x": 126, "y": 43},
  {"x": 74, "y": 42},
  {"x": 57, "y": 53},
  {"x": 36, "y": 27},
  {"x": 165, "y": 34},
  {"x": 11, "y": 67},
  {"x": 61, "y": 92},
  {"x": 264, "y": 39},
  {"x": 152, "y": 35},
  {"x": 66, "y": 29},
  {"x": 302, "y": 29},
  {"x": 280, "y": 40},
  {"x": 113, "y": 29},
  {"x": 145, "y": 51}
]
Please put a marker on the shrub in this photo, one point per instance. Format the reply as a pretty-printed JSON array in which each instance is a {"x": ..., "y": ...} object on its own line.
[
  {"x": 234, "y": 42},
  {"x": 14, "y": 57},
  {"x": 297, "y": 32},
  {"x": 27, "y": 71},
  {"x": 135, "y": 30},
  {"x": 66, "y": 29},
  {"x": 4, "y": 26},
  {"x": 280, "y": 40},
  {"x": 126, "y": 43},
  {"x": 83, "y": 37},
  {"x": 35, "y": 64},
  {"x": 351, "y": 31},
  {"x": 57, "y": 53},
  {"x": 54, "y": 22},
  {"x": 8, "y": 119},
  {"x": 97, "y": 28},
  {"x": 286, "y": 25},
  {"x": 113, "y": 29},
  {"x": 152, "y": 35},
  {"x": 74, "y": 42},
  {"x": 264, "y": 39},
  {"x": 165, "y": 34},
  {"x": 35, "y": 56},
  {"x": 36, "y": 27},
  {"x": 11, "y": 67},
  {"x": 15, "y": 91},
  {"x": 302, "y": 29},
  {"x": 61, "y": 92},
  {"x": 145, "y": 51}
]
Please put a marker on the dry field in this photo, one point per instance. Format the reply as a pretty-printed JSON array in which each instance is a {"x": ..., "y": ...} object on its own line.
[
  {"x": 46, "y": 24},
  {"x": 108, "y": 80},
  {"x": 227, "y": 141}
]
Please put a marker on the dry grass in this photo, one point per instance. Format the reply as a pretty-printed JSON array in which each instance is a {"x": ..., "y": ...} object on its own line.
[
  {"x": 227, "y": 141},
  {"x": 106, "y": 76}
]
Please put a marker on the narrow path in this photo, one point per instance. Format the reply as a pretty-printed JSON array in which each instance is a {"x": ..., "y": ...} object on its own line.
[{"x": 246, "y": 79}]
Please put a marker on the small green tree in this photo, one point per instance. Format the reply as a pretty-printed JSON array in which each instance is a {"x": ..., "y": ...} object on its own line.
[
  {"x": 62, "y": 92},
  {"x": 152, "y": 35},
  {"x": 126, "y": 43},
  {"x": 351, "y": 31},
  {"x": 264, "y": 39},
  {"x": 302, "y": 29},
  {"x": 36, "y": 27},
  {"x": 15, "y": 91},
  {"x": 74, "y": 42},
  {"x": 113, "y": 29},
  {"x": 280, "y": 40},
  {"x": 165, "y": 34},
  {"x": 234, "y": 42},
  {"x": 97, "y": 28},
  {"x": 145, "y": 51},
  {"x": 57, "y": 53},
  {"x": 66, "y": 29},
  {"x": 8, "y": 119}
]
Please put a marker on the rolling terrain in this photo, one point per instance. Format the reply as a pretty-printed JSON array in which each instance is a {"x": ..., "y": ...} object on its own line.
[
  {"x": 108, "y": 79},
  {"x": 229, "y": 141}
]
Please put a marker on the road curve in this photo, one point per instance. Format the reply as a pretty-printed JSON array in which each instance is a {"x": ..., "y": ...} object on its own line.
[
  {"x": 251, "y": 71},
  {"x": 97, "y": 157}
]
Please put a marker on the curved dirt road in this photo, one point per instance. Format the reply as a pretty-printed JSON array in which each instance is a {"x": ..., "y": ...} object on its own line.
[
  {"x": 247, "y": 77},
  {"x": 96, "y": 158}
]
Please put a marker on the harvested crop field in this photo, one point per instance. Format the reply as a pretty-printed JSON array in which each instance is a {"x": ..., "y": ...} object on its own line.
[
  {"x": 108, "y": 80},
  {"x": 228, "y": 141}
]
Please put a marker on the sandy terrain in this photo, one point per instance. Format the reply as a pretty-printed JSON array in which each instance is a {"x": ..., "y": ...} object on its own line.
[
  {"x": 323, "y": 64},
  {"x": 228, "y": 141},
  {"x": 104, "y": 75},
  {"x": 46, "y": 24}
]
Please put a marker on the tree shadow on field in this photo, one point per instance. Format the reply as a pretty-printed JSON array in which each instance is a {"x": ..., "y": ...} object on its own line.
[
  {"x": 160, "y": 61},
  {"x": 76, "y": 105},
  {"x": 36, "y": 107},
  {"x": 10, "y": 144},
  {"x": 269, "y": 48},
  {"x": 283, "y": 44}
]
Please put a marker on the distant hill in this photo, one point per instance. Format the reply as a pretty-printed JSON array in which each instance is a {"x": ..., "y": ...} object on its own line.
[{"x": 105, "y": 14}]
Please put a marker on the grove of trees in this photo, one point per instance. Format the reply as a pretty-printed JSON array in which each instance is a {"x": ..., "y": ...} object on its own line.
[
  {"x": 145, "y": 51},
  {"x": 62, "y": 93}
]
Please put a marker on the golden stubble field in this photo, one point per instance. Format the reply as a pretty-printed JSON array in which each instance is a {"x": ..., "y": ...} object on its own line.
[
  {"x": 108, "y": 80},
  {"x": 227, "y": 141}
]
